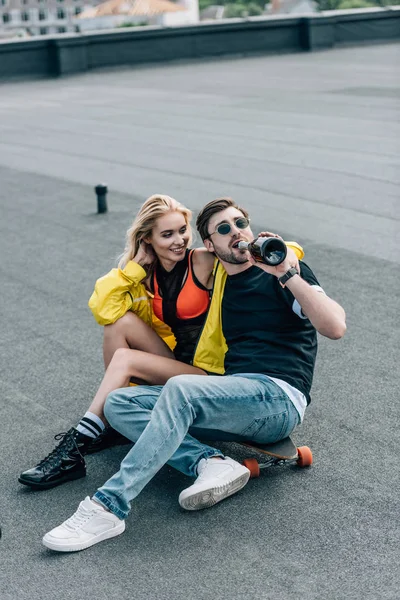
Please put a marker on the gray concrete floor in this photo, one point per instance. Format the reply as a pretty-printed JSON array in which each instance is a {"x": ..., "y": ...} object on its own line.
[{"x": 309, "y": 143}]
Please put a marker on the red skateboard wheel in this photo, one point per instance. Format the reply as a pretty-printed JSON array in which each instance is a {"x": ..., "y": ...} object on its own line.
[
  {"x": 305, "y": 457},
  {"x": 252, "y": 465}
]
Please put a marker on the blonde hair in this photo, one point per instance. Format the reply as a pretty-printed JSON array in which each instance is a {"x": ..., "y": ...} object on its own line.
[{"x": 153, "y": 208}]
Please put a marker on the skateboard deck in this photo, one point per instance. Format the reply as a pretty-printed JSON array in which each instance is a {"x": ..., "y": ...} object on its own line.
[{"x": 278, "y": 453}]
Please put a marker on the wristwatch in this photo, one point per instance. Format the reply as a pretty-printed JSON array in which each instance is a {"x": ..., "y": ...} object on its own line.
[{"x": 288, "y": 275}]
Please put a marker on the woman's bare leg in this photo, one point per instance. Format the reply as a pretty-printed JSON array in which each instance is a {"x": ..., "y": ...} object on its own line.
[
  {"x": 125, "y": 364},
  {"x": 131, "y": 332}
]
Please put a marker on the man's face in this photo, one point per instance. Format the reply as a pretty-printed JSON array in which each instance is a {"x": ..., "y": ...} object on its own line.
[{"x": 225, "y": 246}]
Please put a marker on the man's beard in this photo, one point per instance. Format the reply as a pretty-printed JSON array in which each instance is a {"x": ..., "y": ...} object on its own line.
[{"x": 228, "y": 256}]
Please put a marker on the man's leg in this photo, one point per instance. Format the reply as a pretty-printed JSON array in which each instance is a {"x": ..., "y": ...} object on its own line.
[
  {"x": 248, "y": 408},
  {"x": 131, "y": 410},
  {"x": 255, "y": 409}
]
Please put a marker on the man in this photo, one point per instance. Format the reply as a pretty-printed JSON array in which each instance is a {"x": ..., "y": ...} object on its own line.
[{"x": 269, "y": 318}]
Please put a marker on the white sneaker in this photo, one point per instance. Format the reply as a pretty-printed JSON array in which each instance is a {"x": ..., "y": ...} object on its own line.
[
  {"x": 89, "y": 525},
  {"x": 217, "y": 480}
]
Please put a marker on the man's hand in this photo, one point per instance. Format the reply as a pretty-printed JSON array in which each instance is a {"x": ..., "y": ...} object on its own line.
[
  {"x": 290, "y": 261},
  {"x": 145, "y": 256}
]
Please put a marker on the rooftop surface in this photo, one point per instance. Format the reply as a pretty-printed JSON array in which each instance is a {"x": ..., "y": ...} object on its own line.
[{"x": 309, "y": 144}]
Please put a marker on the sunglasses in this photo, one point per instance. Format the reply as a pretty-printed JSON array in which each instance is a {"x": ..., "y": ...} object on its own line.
[{"x": 225, "y": 228}]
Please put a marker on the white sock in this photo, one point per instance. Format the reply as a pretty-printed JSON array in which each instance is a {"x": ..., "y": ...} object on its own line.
[{"x": 90, "y": 425}]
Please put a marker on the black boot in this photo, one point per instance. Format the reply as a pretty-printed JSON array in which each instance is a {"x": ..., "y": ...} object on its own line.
[
  {"x": 64, "y": 463},
  {"x": 108, "y": 438}
]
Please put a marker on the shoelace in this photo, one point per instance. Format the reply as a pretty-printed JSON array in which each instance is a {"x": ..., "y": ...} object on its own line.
[
  {"x": 79, "y": 518},
  {"x": 52, "y": 458}
]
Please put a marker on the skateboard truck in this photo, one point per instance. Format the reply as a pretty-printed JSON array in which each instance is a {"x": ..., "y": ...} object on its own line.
[{"x": 279, "y": 453}]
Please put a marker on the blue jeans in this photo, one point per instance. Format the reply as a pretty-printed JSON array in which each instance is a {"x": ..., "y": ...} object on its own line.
[{"x": 165, "y": 421}]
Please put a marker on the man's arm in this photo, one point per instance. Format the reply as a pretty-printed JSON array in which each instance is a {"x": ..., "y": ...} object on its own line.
[{"x": 326, "y": 315}]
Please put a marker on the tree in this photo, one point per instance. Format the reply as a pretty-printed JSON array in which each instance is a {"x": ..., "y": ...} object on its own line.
[
  {"x": 242, "y": 10},
  {"x": 354, "y": 4}
]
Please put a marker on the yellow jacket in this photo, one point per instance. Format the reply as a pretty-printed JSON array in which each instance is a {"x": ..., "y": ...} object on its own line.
[{"x": 123, "y": 289}]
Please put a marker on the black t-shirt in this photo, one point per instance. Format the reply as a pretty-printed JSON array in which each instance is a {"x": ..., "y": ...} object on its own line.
[{"x": 263, "y": 333}]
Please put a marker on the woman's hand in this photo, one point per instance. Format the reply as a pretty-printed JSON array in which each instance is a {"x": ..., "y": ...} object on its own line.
[
  {"x": 145, "y": 255},
  {"x": 269, "y": 234}
]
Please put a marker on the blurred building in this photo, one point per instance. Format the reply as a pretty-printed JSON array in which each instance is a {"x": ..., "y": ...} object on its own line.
[
  {"x": 14, "y": 32},
  {"x": 40, "y": 17},
  {"x": 22, "y": 18},
  {"x": 117, "y": 13}
]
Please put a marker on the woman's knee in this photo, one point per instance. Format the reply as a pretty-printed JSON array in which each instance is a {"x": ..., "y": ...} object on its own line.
[
  {"x": 121, "y": 325},
  {"x": 122, "y": 358}
]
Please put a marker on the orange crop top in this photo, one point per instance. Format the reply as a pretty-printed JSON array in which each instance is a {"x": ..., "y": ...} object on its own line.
[{"x": 192, "y": 298}]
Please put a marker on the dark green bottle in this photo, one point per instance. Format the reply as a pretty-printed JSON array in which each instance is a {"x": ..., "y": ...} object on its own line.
[{"x": 269, "y": 250}]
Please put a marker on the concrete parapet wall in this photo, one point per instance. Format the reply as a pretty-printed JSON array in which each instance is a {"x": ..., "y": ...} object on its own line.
[{"x": 76, "y": 53}]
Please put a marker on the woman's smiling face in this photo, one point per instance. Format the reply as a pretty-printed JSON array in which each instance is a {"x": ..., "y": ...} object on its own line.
[{"x": 170, "y": 238}]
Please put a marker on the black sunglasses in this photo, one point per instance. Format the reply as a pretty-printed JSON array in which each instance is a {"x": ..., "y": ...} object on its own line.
[{"x": 225, "y": 228}]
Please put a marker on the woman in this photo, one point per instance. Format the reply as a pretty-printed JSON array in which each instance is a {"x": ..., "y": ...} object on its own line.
[{"x": 156, "y": 263}]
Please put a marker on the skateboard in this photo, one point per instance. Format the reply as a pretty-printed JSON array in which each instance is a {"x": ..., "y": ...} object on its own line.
[{"x": 279, "y": 453}]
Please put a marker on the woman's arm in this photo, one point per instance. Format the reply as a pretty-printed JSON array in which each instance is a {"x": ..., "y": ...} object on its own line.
[
  {"x": 203, "y": 266},
  {"x": 124, "y": 289},
  {"x": 119, "y": 291}
]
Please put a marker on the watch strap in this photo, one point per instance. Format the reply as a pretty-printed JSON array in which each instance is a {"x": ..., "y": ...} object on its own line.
[{"x": 288, "y": 275}]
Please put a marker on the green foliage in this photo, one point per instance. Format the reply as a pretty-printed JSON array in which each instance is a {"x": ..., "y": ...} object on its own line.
[
  {"x": 254, "y": 9},
  {"x": 233, "y": 11},
  {"x": 141, "y": 24},
  {"x": 242, "y": 10},
  {"x": 328, "y": 4},
  {"x": 205, "y": 3},
  {"x": 348, "y": 4},
  {"x": 354, "y": 4},
  {"x": 250, "y": 6}
]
